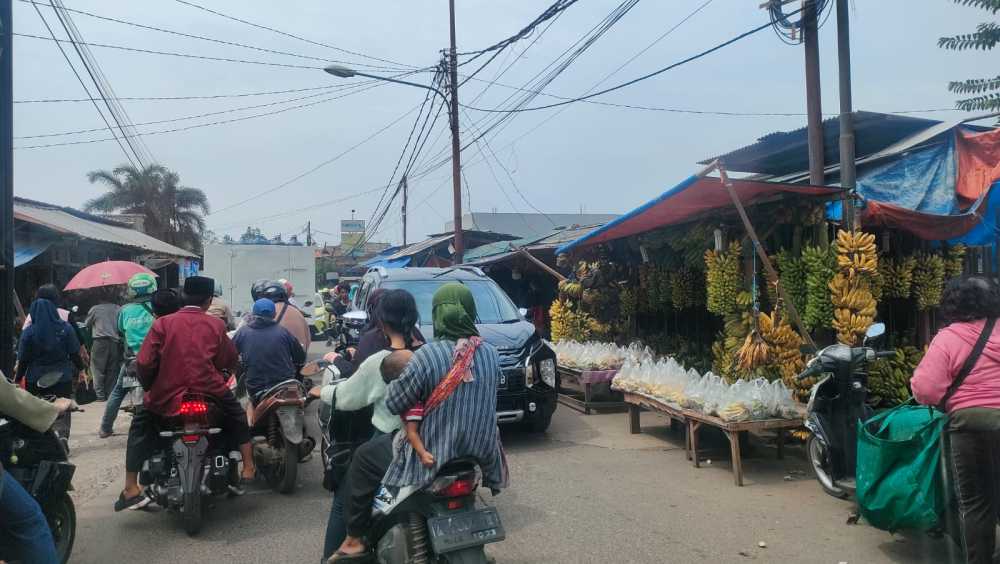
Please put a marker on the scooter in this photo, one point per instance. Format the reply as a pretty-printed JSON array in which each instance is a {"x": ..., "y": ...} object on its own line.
[
  {"x": 836, "y": 404},
  {"x": 278, "y": 429},
  {"x": 195, "y": 463},
  {"x": 39, "y": 462},
  {"x": 439, "y": 522}
]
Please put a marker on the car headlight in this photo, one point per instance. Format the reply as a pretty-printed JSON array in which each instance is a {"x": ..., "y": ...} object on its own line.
[
  {"x": 529, "y": 374},
  {"x": 547, "y": 368}
]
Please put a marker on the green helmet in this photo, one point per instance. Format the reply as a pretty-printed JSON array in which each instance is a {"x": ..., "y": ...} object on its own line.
[{"x": 141, "y": 285}]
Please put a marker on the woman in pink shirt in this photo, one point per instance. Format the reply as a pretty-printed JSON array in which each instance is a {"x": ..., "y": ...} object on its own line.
[{"x": 973, "y": 409}]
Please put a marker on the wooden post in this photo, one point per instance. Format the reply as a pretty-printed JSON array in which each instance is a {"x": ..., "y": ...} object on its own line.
[
  {"x": 771, "y": 274},
  {"x": 541, "y": 264}
]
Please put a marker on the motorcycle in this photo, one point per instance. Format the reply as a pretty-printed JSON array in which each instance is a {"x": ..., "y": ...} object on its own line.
[
  {"x": 39, "y": 462},
  {"x": 195, "y": 464},
  {"x": 278, "y": 429},
  {"x": 836, "y": 404},
  {"x": 439, "y": 522}
]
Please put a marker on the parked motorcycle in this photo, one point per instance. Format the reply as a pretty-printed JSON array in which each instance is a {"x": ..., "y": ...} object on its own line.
[
  {"x": 836, "y": 404},
  {"x": 39, "y": 462},
  {"x": 437, "y": 523},
  {"x": 278, "y": 428},
  {"x": 195, "y": 464}
]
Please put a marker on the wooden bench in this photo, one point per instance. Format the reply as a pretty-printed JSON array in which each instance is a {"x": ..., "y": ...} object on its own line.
[
  {"x": 694, "y": 420},
  {"x": 585, "y": 380}
]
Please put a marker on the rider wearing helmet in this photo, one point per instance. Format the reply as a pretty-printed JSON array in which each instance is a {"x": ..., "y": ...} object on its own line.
[
  {"x": 286, "y": 315},
  {"x": 134, "y": 320},
  {"x": 221, "y": 309}
]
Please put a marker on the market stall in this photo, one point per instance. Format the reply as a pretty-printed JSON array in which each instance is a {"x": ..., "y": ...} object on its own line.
[{"x": 586, "y": 371}]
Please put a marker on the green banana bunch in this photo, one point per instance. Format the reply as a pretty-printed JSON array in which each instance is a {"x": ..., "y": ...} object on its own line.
[
  {"x": 928, "y": 280},
  {"x": 820, "y": 266},
  {"x": 723, "y": 278}
]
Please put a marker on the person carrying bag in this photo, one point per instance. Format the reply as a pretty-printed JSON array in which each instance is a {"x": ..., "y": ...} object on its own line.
[{"x": 960, "y": 376}]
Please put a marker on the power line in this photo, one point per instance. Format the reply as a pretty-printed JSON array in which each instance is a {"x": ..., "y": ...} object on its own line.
[
  {"x": 638, "y": 79},
  {"x": 195, "y": 116},
  {"x": 550, "y": 12},
  {"x": 173, "y": 98},
  {"x": 87, "y": 90},
  {"x": 173, "y": 54},
  {"x": 293, "y": 36},
  {"x": 210, "y": 124},
  {"x": 318, "y": 166}
]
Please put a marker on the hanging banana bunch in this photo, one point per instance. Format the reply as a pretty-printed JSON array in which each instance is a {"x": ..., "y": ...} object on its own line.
[
  {"x": 954, "y": 262},
  {"x": 928, "y": 280},
  {"x": 820, "y": 266},
  {"x": 792, "y": 273},
  {"x": 889, "y": 379},
  {"x": 723, "y": 278},
  {"x": 850, "y": 290},
  {"x": 897, "y": 276}
]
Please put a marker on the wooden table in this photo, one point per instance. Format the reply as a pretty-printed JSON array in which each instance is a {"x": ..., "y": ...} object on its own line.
[
  {"x": 694, "y": 420},
  {"x": 585, "y": 380}
]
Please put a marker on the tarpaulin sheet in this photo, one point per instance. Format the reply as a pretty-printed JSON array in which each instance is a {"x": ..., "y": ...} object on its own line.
[
  {"x": 927, "y": 226},
  {"x": 923, "y": 180},
  {"x": 29, "y": 246},
  {"x": 694, "y": 196},
  {"x": 978, "y": 162},
  {"x": 389, "y": 263},
  {"x": 985, "y": 232}
]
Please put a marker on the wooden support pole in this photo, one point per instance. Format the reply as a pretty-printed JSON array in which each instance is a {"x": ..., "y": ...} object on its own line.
[{"x": 541, "y": 264}]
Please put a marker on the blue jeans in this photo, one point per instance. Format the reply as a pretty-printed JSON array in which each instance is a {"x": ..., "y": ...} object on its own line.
[
  {"x": 114, "y": 404},
  {"x": 23, "y": 527}
]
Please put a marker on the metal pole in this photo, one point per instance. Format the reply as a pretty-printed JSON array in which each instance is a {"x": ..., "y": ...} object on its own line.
[
  {"x": 847, "y": 170},
  {"x": 7, "y": 295},
  {"x": 404, "y": 209},
  {"x": 456, "y": 149},
  {"x": 814, "y": 105}
]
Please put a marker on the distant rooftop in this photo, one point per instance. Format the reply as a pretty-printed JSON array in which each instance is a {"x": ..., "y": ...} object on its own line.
[{"x": 528, "y": 225}]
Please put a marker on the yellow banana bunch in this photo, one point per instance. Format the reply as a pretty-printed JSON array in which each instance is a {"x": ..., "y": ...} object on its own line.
[
  {"x": 784, "y": 345},
  {"x": 571, "y": 288},
  {"x": 856, "y": 252},
  {"x": 850, "y": 290},
  {"x": 723, "y": 278},
  {"x": 568, "y": 324},
  {"x": 753, "y": 354}
]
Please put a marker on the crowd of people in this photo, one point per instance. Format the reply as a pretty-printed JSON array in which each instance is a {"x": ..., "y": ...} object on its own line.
[{"x": 411, "y": 405}]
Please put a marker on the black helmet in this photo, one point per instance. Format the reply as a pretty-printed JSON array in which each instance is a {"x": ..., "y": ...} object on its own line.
[{"x": 270, "y": 289}]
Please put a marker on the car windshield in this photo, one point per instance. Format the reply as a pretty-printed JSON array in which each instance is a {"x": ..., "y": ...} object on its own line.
[{"x": 492, "y": 305}]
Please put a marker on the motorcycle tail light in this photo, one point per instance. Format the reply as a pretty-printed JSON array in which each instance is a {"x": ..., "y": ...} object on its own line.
[
  {"x": 190, "y": 439},
  {"x": 455, "y": 486},
  {"x": 193, "y": 408}
]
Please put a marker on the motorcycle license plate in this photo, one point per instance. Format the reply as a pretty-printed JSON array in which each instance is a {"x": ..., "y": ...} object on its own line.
[{"x": 463, "y": 530}]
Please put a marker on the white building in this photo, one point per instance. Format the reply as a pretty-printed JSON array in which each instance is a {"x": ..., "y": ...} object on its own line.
[{"x": 237, "y": 267}]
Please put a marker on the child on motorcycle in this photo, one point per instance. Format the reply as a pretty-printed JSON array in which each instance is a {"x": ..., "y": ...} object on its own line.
[{"x": 392, "y": 367}]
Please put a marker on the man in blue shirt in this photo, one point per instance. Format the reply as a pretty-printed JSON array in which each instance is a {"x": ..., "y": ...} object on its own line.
[{"x": 270, "y": 353}]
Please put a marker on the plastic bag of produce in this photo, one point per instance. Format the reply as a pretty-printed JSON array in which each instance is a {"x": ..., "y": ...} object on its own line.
[
  {"x": 785, "y": 406},
  {"x": 736, "y": 404}
]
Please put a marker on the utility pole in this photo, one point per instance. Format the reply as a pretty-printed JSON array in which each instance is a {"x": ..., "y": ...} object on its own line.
[
  {"x": 814, "y": 104},
  {"x": 403, "y": 181},
  {"x": 309, "y": 234},
  {"x": 848, "y": 180},
  {"x": 7, "y": 295},
  {"x": 456, "y": 148}
]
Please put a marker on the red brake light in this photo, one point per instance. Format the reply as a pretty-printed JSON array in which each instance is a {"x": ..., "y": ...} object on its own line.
[
  {"x": 190, "y": 439},
  {"x": 193, "y": 408},
  {"x": 461, "y": 487}
]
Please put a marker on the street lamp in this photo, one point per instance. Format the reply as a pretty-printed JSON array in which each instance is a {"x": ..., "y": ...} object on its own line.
[{"x": 456, "y": 150}]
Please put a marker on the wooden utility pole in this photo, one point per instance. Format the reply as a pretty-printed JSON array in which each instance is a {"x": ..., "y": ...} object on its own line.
[
  {"x": 456, "y": 148},
  {"x": 404, "y": 207},
  {"x": 7, "y": 294},
  {"x": 814, "y": 105},
  {"x": 309, "y": 234},
  {"x": 848, "y": 176}
]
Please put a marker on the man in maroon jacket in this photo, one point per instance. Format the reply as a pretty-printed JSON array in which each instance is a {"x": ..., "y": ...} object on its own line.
[{"x": 183, "y": 352}]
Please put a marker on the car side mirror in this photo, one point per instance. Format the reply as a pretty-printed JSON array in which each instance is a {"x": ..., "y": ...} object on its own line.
[{"x": 525, "y": 313}]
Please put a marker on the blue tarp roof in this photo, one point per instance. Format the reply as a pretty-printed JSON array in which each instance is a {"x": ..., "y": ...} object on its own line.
[{"x": 27, "y": 246}]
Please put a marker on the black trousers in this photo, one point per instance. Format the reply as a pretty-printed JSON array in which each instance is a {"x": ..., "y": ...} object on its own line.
[
  {"x": 144, "y": 432},
  {"x": 368, "y": 467},
  {"x": 974, "y": 437}
]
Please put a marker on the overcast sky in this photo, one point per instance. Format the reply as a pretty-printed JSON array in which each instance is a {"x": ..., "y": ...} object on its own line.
[{"x": 592, "y": 157}]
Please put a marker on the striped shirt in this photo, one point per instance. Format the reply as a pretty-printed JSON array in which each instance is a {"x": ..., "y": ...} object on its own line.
[{"x": 464, "y": 425}]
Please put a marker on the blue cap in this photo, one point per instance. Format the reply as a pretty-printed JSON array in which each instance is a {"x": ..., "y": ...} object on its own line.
[{"x": 264, "y": 308}]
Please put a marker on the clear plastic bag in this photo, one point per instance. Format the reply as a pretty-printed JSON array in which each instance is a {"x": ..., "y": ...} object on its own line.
[{"x": 736, "y": 405}]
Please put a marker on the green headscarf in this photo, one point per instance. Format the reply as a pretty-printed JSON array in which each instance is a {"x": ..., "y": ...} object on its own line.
[{"x": 454, "y": 312}]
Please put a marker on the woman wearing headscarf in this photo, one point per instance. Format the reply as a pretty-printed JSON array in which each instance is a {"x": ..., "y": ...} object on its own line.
[
  {"x": 49, "y": 357},
  {"x": 455, "y": 378}
]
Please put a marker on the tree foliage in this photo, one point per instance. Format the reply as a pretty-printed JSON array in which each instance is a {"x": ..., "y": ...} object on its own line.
[
  {"x": 985, "y": 91},
  {"x": 171, "y": 212}
]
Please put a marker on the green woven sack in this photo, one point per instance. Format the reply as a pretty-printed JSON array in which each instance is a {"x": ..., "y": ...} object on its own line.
[{"x": 899, "y": 483}]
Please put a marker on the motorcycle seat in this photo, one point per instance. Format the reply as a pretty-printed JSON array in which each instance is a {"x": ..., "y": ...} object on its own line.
[
  {"x": 463, "y": 464},
  {"x": 280, "y": 385}
]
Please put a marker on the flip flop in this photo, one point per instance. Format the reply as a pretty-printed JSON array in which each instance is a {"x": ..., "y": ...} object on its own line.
[
  {"x": 132, "y": 503},
  {"x": 340, "y": 556}
]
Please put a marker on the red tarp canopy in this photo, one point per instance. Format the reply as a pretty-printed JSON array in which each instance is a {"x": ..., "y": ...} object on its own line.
[
  {"x": 927, "y": 226},
  {"x": 693, "y": 197}
]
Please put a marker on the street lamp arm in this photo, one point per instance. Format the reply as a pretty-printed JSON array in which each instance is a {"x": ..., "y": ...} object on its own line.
[{"x": 343, "y": 72}]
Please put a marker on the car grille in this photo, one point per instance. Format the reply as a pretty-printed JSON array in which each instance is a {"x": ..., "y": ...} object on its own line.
[{"x": 515, "y": 379}]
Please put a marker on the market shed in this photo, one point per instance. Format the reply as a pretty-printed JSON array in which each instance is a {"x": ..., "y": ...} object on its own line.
[
  {"x": 52, "y": 243},
  {"x": 436, "y": 250}
]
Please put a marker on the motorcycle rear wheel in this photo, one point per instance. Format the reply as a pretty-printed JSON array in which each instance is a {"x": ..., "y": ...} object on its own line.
[
  {"x": 192, "y": 514},
  {"x": 819, "y": 458},
  {"x": 287, "y": 469},
  {"x": 61, "y": 515}
]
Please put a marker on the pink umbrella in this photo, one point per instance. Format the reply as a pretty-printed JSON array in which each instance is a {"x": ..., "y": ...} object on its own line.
[{"x": 108, "y": 273}]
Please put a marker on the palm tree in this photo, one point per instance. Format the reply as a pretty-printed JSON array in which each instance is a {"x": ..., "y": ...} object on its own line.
[{"x": 171, "y": 212}]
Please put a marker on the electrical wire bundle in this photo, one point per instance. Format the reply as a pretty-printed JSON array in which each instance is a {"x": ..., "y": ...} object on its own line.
[{"x": 791, "y": 31}]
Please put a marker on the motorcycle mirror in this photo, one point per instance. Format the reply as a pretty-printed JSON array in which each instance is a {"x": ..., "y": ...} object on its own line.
[
  {"x": 807, "y": 349},
  {"x": 875, "y": 330},
  {"x": 308, "y": 304}
]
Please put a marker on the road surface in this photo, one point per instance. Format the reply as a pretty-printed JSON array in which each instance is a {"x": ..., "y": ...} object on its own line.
[{"x": 585, "y": 492}]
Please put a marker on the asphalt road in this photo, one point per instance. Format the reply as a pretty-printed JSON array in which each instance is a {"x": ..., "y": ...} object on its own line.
[{"x": 585, "y": 492}]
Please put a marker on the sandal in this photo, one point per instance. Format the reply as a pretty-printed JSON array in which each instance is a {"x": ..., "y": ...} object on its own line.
[
  {"x": 132, "y": 503},
  {"x": 341, "y": 556}
]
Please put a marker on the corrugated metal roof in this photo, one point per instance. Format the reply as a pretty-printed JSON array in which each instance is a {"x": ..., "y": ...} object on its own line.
[
  {"x": 501, "y": 250},
  {"x": 67, "y": 220},
  {"x": 786, "y": 152}
]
